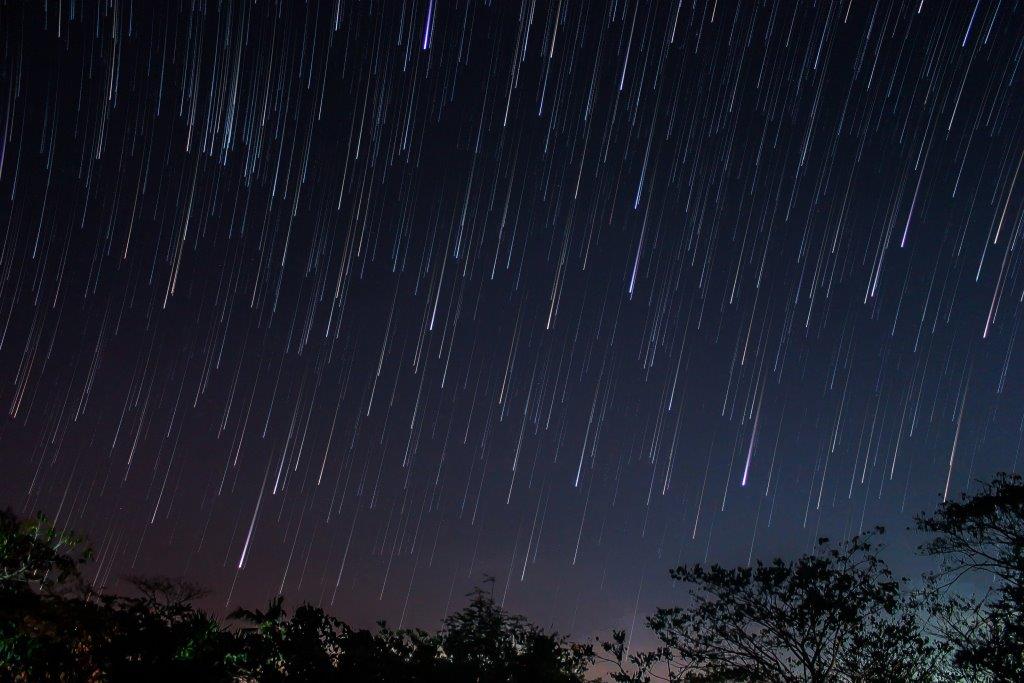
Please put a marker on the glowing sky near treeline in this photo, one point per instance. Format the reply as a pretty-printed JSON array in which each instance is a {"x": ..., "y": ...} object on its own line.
[{"x": 361, "y": 301}]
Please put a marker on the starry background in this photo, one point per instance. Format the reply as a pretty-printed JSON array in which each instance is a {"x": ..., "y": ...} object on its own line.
[{"x": 361, "y": 301}]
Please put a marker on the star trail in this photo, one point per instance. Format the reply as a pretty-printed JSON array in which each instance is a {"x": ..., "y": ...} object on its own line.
[{"x": 360, "y": 302}]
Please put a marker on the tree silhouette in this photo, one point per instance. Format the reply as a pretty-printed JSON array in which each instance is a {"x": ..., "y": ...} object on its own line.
[
  {"x": 484, "y": 642},
  {"x": 837, "y": 615},
  {"x": 158, "y": 635},
  {"x": 35, "y": 555},
  {"x": 481, "y": 643},
  {"x": 38, "y": 564},
  {"x": 630, "y": 667},
  {"x": 982, "y": 534}
]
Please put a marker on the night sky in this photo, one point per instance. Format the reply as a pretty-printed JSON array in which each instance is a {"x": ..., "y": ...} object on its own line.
[{"x": 363, "y": 301}]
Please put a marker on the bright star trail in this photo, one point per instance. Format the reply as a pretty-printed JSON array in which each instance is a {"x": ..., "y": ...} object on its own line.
[{"x": 361, "y": 301}]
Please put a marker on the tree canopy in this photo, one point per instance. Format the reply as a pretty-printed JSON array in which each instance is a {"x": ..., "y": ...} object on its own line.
[
  {"x": 981, "y": 536},
  {"x": 53, "y": 626},
  {"x": 835, "y": 614}
]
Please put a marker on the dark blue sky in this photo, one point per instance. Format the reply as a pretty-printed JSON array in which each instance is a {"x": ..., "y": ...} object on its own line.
[{"x": 364, "y": 301}]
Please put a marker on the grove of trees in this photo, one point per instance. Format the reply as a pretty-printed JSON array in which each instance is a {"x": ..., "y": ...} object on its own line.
[{"x": 835, "y": 614}]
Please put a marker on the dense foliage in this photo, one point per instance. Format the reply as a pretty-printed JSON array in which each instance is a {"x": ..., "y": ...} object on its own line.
[
  {"x": 837, "y": 614},
  {"x": 53, "y": 626}
]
